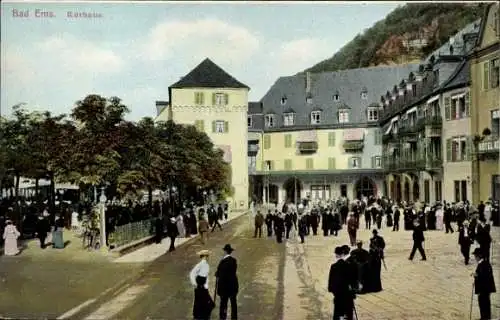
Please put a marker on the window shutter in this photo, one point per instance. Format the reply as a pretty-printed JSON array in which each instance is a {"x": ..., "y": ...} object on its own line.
[
  {"x": 226, "y": 99},
  {"x": 202, "y": 125},
  {"x": 331, "y": 139},
  {"x": 448, "y": 150},
  {"x": 467, "y": 104},
  {"x": 196, "y": 98},
  {"x": 214, "y": 99},
  {"x": 267, "y": 142},
  {"x": 309, "y": 163},
  {"x": 349, "y": 165},
  {"x": 213, "y": 126},
  {"x": 468, "y": 149},
  {"x": 486, "y": 75},
  {"x": 288, "y": 164},
  {"x": 331, "y": 163},
  {"x": 226, "y": 126},
  {"x": 447, "y": 106},
  {"x": 373, "y": 162},
  {"x": 288, "y": 140},
  {"x": 202, "y": 98},
  {"x": 272, "y": 164},
  {"x": 360, "y": 165}
]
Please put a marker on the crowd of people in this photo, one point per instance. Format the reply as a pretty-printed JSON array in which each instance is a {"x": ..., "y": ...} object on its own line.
[{"x": 358, "y": 271}]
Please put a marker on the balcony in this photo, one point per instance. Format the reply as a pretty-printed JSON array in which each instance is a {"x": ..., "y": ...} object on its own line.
[
  {"x": 353, "y": 146},
  {"x": 489, "y": 146},
  {"x": 388, "y": 138},
  {"x": 409, "y": 132},
  {"x": 307, "y": 147},
  {"x": 400, "y": 164},
  {"x": 430, "y": 121},
  {"x": 430, "y": 164}
]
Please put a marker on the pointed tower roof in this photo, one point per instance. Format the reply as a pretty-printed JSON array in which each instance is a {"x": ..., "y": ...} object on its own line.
[{"x": 208, "y": 75}]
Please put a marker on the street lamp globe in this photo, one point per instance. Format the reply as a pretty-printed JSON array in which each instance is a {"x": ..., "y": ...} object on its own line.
[
  {"x": 174, "y": 189},
  {"x": 102, "y": 198},
  {"x": 205, "y": 192}
]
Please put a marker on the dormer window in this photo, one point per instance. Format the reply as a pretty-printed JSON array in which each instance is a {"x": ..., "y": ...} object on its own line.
[
  {"x": 289, "y": 119},
  {"x": 364, "y": 94},
  {"x": 283, "y": 100},
  {"x": 372, "y": 114},
  {"x": 249, "y": 121},
  {"x": 270, "y": 120},
  {"x": 316, "y": 117},
  {"x": 336, "y": 97},
  {"x": 343, "y": 116}
]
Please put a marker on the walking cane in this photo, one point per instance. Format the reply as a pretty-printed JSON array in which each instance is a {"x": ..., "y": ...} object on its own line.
[
  {"x": 355, "y": 312},
  {"x": 215, "y": 291},
  {"x": 471, "y": 300}
]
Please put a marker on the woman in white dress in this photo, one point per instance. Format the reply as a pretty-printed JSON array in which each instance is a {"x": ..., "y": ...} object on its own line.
[
  {"x": 10, "y": 235},
  {"x": 180, "y": 226},
  {"x": 439, "y": 218}
]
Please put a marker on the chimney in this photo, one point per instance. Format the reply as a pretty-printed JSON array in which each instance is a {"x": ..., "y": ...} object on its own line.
[{"x": 308, "y": 82}]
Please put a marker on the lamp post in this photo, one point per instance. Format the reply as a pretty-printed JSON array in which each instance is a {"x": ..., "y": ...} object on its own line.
[
  {"x": 102, "y": 202},
  {"x": 173, "y": 189}
]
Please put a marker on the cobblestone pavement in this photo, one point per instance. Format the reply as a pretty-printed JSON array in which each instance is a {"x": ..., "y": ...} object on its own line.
[
  {"x": 46, "y": 283},
  {"x": 163, "y": 290},
  {"x": 439, "y": 288}
]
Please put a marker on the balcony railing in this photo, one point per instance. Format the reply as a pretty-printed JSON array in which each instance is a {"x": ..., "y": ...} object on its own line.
[
  {"x": 353, "y": 145},
  {"x": 405, "y": 164},
  {"x": 432, "y": 121},
  {"x": 490, "y": 145},
  {"x": 431, "y": 163}
]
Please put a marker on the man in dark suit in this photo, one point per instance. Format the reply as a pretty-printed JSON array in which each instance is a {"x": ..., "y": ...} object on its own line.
[
  {"x": 483, "y": 238},
  {"x": 484, "y": 284},
  {"x": 227, "y": 283},
  {"x": 465, "y": 240},
  {"x": 397, "y": 215},
  {"x": 339, "y": 284},
  {"x": 418, "y": 240},
  {"x": 448, "y": 217}
]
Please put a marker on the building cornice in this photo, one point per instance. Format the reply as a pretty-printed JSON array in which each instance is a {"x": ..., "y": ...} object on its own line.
[
  {"x": 478, "y": 53},
  {"x": 209, "y": 109},
  {"x": 323, "y": 127},
  {"x": 318, "y": 172}
]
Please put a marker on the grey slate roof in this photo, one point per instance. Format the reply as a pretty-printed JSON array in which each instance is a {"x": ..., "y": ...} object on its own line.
[
  {"x": 461, "y": 77},
  {"x": 208, "y": 75},
  {"x": 349, "y": 84}
]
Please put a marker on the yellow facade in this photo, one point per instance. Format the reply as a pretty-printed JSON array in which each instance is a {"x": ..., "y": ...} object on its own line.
[
  {"x": 200, "y": 107},
  {"x": 485, "y": 97}
]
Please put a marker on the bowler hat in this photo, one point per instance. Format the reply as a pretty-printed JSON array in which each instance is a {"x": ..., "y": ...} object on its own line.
[
  {"x": 338, "y": 250},
  {"x": 477, "y": 252},
  {"x": 228, "y": 248}
]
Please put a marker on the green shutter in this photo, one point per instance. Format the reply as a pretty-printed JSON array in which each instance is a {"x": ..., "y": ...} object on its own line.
[
  {"x": 267, "y": 142},
  {"x": 467, "y": 104},
  {"x": 288, "y": 140},
  {"x": 213, "y": 126},
  {"x": 213, "y": 99},
  {"x": 447, "y": 106},
  {"x": 226, "y": 99},
  {"x": 272, "y": 164},
  {"x": 202, "y": 125},
  {"x": 468, "y": 149},
  {"x": 373, "y": 162},
  {"x": 288, "y": 164},
  {"x": 360, "y": 164},
  {"x": 486, "y": 75},
  {"x": 349, "y": 165},
  {"x": 331, "y": 163},
  {"x": 309, "y": 163},
  {"x": 202, "y": 98},
  {"x": 226, "y": 126},
  {"x": 448, "y": 150},
  {"x": 331, "y": 139},
  {"x": 196, "y": 98}
]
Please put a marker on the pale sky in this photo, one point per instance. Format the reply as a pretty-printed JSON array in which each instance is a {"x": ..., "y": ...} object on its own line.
[{"x": 136, "y": 50}]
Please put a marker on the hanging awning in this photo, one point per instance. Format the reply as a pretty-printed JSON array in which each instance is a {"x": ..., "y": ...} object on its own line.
[
  {"x": 227, "y": 152},
  {"x": 307, "y": 136},
  {"x": 388, "y": 128},
  {"x": 357, "y": 134},
  {"x": 431, "y": 100},
  {"x": 414, "y": 109}
]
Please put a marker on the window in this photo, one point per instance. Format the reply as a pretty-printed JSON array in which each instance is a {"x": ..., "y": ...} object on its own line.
[
  {"x": 288, "y": 164},
  {"x": 372, "y": 114},
  {"x": 460, "y": 190},
  {"x": 377, "y": 162},
  {"x": 414, "y": 90},
  {"x": 364, "y": 95},
  {"x": 288, "y": 119},
  {"x": 249, "y": 121},
  {"x": 309, "y": 100},
  {"x": 343, "y": 116},
  {"x": 319, "y": 192},
  {"x": 355, "y": 163},
  {"x": 220, "y": 99},
  {"x": 331, "y": 139},
  {"x": 427, "y": 191},
  {"x": 378, "y": 137},
  {"x": 288, "y": 140},
  {"x": 220, "y": 126},
  {"x": 283, "y": 100},
  {"x": 268, "y": 165},
  {"x": 495, "y": 123},
  {"x": 267, "y": 141},
  {"x": 199, "y": 98},
  {"x": 336, "y": 97},
  {"x": 315, "y": 117},
  {"x": 457, "y": 107},
  {"x": 438, "y": 190},
  {"x": 270, "y": 120},
  {"x": 309, "y": 164},
  {"x": 458, "y": 149}
]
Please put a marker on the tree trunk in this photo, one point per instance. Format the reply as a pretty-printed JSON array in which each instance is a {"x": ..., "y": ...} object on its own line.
[
  {"x": 16, "y": 188},
  {"x": 52, "y": 199},
  {"x": 36, "y": 187}
]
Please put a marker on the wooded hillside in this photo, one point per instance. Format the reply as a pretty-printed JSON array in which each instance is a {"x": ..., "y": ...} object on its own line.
[{"x": 387, "y": 41}]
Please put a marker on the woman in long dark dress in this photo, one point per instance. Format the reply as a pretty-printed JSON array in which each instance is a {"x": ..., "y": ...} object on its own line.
[
  {"x": 203, "y": 302},
  {"x": 377, "y": 246}
]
